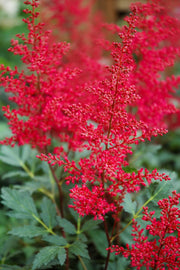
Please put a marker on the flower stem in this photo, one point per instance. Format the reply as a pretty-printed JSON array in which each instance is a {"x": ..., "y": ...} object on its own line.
[
  {"x": 61, "y": 209},
  {"x": 82, "y": 263},
  {"x": 60, "y": 191},
  {"x": 109, "y": 244}
]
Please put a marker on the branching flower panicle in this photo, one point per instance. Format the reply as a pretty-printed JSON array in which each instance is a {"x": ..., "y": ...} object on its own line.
[{"x": 163, "y": 251}]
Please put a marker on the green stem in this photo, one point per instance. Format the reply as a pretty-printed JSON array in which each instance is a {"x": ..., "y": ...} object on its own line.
[
  {"x": 61, "y": 209},
  {"x": 109, "y": 244},
  {"x": 78, "y": 225},
  {"x": 136, "y": 215},
  {"x": 60, "y": 191},
  {"x": 27, "y": 169},
  {"x": 43, "y": 224},
  {"x": 82, "y": 263}
]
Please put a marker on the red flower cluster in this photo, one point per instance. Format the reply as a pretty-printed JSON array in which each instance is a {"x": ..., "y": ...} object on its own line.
[
  {"x": 91, "y": 202},
  {"x": 108, "y": 130},
  {"x": 163, "y": 251},
  {"x": 68, "y": 94},
  {"x": 93, "y": 112},
  {"x": 48, "y": 86},
  {"x": 157, "y": 48}
]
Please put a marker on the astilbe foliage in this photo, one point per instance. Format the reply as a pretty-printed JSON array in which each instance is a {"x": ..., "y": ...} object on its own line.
[
  {"x": 163, "y": 251},
  {"x": 91, "y": 108}
]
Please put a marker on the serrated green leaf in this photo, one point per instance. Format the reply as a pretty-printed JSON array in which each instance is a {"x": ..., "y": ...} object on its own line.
[
  {"x": 29, "y": 187},
  {"x": 11, "y": 267},
  {"x": 19, "y": 215},
  {"x": 8, "y": 245},
  {"x": 20, "y": 202},
  {"x": 4, "y": 129},
  {"x": 160, "y": 190},
  {"x": 28, "y": 231},
  {"x": 56, "y": 240},
  {"x": 125, "y": 236},
  {"x": 26, "y": 150},
  {"x": 78, "y": 248},
  {"x": 100, "y": 241},
  {"x": 14, "y": 174},
  {"x": 74, "y": 214},
  {"x": 89, "y": 265},
  {"x": 90, "y": 225},
  {"x": 128, "y": 205},
  {"x": 122, "y": 263},
  {"x": 48, "y": 212},
  {"x": 45, "y": 256},
  {"x": 10, "y": 161},
  {"x": 62, "y": 256},
  {"x": 83, "y": 238},
  {"x": 66, "y": 225},
  {"x": 10, "y": 155}
]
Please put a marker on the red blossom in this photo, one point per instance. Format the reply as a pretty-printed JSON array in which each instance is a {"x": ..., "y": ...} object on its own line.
[
  {"x": 67, "y": 93},
  {"x": 87, "y": 202},
  {"x": 163, "y": 252}
]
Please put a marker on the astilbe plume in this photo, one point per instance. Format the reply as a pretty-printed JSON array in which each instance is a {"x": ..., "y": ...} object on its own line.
[
  {"x": 80, "y": 25},
  {"x": 163, "y": 251},
  {"x": 91, "y": 107},
  {"x": 157, "y": 48},
  {"x": 108, "y": 131},
  {"x": 41, "y": 92}
]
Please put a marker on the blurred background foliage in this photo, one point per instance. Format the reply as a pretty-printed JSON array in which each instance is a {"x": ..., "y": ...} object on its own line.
[{"x": 20, "y": 167}]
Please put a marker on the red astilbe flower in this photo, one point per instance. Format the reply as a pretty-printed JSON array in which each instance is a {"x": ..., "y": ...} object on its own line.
[
  {"x": 54, "y": 79},
  {"x": 163, "y": 250},
  {"x": 40, "y": 92},
  {"x": 77, "y": 22},
  {"x": 91, "y": 202},
  {"x": 32, "y": 91},
  {"x": 82, "y": 27},
  {"x": 108, "y": 131},
  {"x": 157, "y": 48},
  {"x": 55, "y": 100}
]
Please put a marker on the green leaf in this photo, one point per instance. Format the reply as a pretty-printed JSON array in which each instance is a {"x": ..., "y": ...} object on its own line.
[
  {"x": 10, "y": 155},
  {"x": 19, "y": 215},
  {"x": 90, "y": 225},
  {"x": 122, "y": 263},
  {"x": 28, "y": 231},
  {"x": 74, "y": 214},
  {"x": 125, "y": 236},
  {"x": 7, "y": 245},
  {"x": 20, "y": 202},
  {"x": 45, "y": 256},
  {"x": 62, "y": 256},
  {"x": 79, "y": 249},
  {"x": 30, "y": 187},
  {"x": 129, "y": 205},
  {"x": 56, "y": 240},
  {"x": 90, "y": 264},
  {"x": 4, "y": 129},
  {"x": 48, "y": 212},
  {"x": 99, "y": 239},
  {"x": 14, "y": 174},
  {"x": 83, "y": 237},
  {"x": 26, "y": 151},
  {"x": 129, "y": 169},
  {"x": 66, "y": 225},
  {"x": 11, "y": 267},
  {"x": 159, "y": 190}
]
